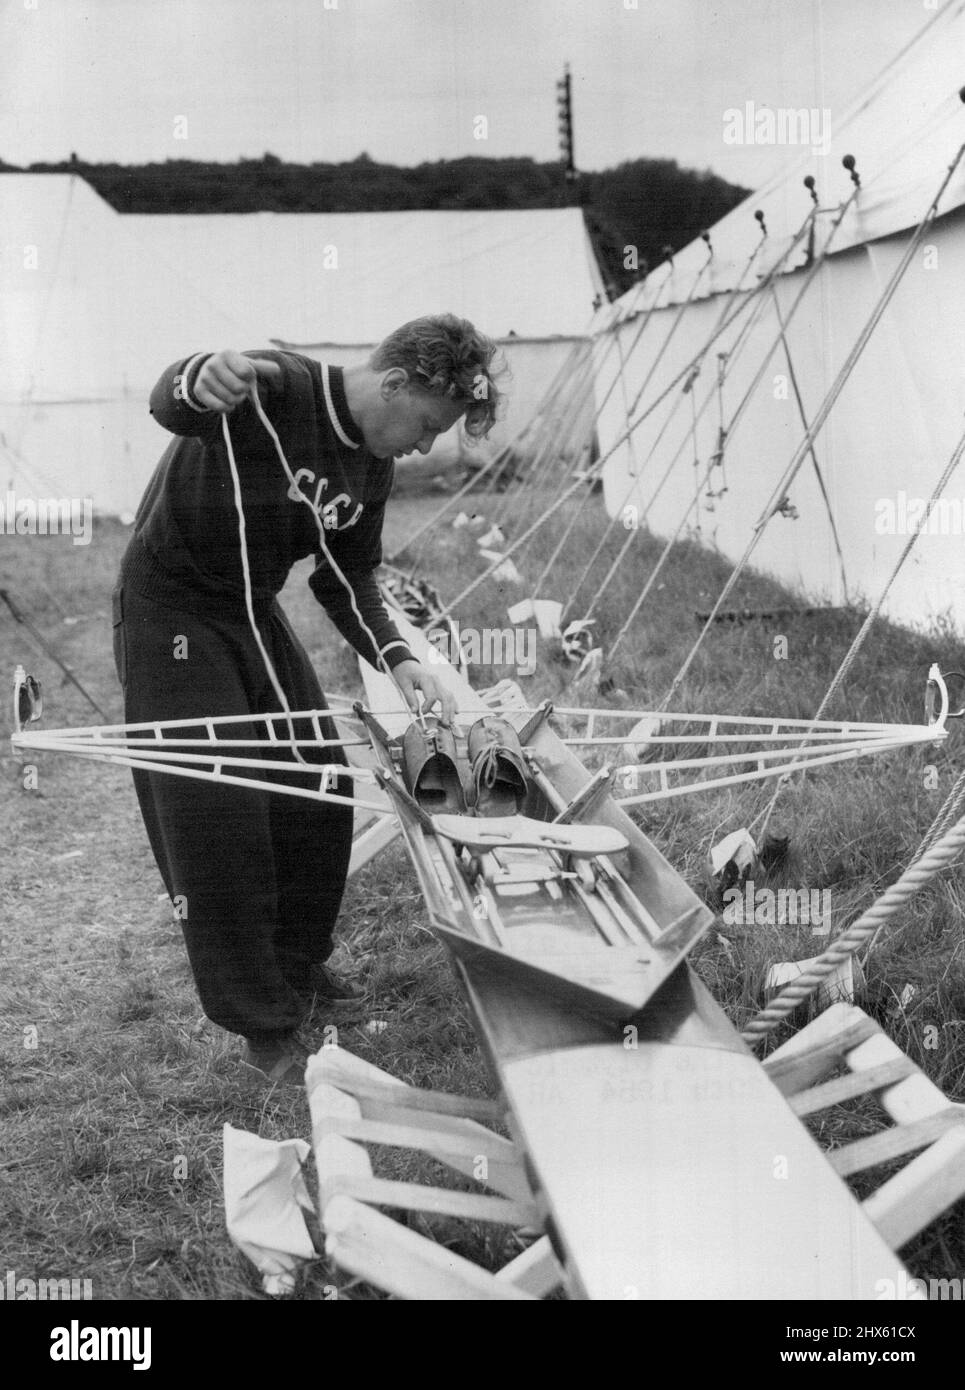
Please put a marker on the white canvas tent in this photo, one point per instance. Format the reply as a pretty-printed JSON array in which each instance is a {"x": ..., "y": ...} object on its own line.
[
  {"x": 90, "y": 316},
  {"x": 348, "y": 277},
  {"x": 96, "y": 304},
  {"x": 331, "y": 285},
  {"x": 900, "y": 413}
]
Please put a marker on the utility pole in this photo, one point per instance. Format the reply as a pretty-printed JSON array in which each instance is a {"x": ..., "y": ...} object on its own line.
[
  {"x": 564, "y": 103},
  {"x": 564, "y": 107}
]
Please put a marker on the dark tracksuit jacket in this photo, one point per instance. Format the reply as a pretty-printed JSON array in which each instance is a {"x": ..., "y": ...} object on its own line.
[{"x": 257, "y": 879}]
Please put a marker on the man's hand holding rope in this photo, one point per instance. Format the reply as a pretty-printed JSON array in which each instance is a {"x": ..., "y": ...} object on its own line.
[{"x": 226, "y": 379}]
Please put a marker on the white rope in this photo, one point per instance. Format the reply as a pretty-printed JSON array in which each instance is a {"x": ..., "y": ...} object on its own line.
[
  {"x": 792, "y": 375},
  {"x": 755, "y": 298},
  {"x": 634, "y": 471},
  {"x": 557, "y": 436},
  {"x": 820, "y": 418},
  {"x": 949, "y": 812},
  {"x": 852, "y": 938},
  {"x": 502, "y": 456},
  {"x": 296, "y": 494},
  {"x": 546, "y": 420},
  {"x": 518, "y": 504},
  {"x": 725, "y": 437},
  {"x": 246, "y": 573},
  {"x": 555, "y": 421},
  {"x": 716, "y": 461},
  {"x": 859, "y": 640},
  {"x": 594, "y": 473}
]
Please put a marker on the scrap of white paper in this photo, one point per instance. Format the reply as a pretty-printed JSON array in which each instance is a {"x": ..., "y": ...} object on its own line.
[{"x": 265, "y": 1195}]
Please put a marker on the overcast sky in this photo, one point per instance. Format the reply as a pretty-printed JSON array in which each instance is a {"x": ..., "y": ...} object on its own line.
[{"x": 405, "y": 80}]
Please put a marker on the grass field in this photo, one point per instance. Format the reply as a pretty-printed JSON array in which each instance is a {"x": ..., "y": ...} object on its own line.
[{"x": 115, "y": 1088}]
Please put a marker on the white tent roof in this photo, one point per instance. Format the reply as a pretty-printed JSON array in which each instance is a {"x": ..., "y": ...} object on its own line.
[
  {"x": 96, "y": 304},
  {"x": 903, "y": 131},
  {"x": 352, "y": 277},
  {"x": 106, "y": 300},
  {"x": 89, "y": 311}
]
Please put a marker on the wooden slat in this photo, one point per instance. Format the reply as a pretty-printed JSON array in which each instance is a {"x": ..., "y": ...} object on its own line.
[
  {"x": 894, "y": 1142},
  {"x": 371, "y": 833},
  {"x": 907, "y": 1100},
  {"x": 373, "y": 1247},
  {"x": 506, "y": 1174},
  {"x": 924, "y": 1188},
  {"x": 333, "y": 1153},
  {"x": 536, "y": 1270},
  {"x": 848, "y": 1087},
  {"x": 812, "y": 1054},
  {"x": 440, "y": 1201},
  {"x": 375, "y": 1250},
  {"x": 372, "y": 841},
  {"x": 930, "y": 1183},
  {"x": 341, "y": 1068},
  {"x": 438, "y": 1102},
  {"x": 435, "y": 1140},
  {"x": 400, "y": 1112},
  {"x": 461, "y": 1152},
  {"x": 384, "y": 1099}
]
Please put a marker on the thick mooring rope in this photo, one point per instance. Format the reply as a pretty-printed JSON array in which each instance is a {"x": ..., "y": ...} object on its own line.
[
  {"x": 949, "y": 812},
  {"x": 918, "y": 873}
]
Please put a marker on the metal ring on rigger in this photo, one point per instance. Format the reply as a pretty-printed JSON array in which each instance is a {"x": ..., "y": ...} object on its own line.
[{"x": 936, "y": 693}]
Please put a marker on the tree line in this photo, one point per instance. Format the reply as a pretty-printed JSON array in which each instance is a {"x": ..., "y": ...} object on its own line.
[{"x": 648, "y": 204}]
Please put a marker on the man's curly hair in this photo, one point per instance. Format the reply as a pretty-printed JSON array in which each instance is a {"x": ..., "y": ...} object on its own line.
[{"x": 448, "y": 356}]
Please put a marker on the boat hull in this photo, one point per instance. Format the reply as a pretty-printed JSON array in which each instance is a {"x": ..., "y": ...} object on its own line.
[{"x": 666, "y": 1163}]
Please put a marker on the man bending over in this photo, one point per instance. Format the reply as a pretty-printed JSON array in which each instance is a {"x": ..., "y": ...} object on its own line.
[{"x": 259, "y": 877}]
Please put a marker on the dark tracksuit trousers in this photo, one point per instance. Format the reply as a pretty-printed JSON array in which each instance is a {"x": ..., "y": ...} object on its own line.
[{"x": 258, "y": 877}]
